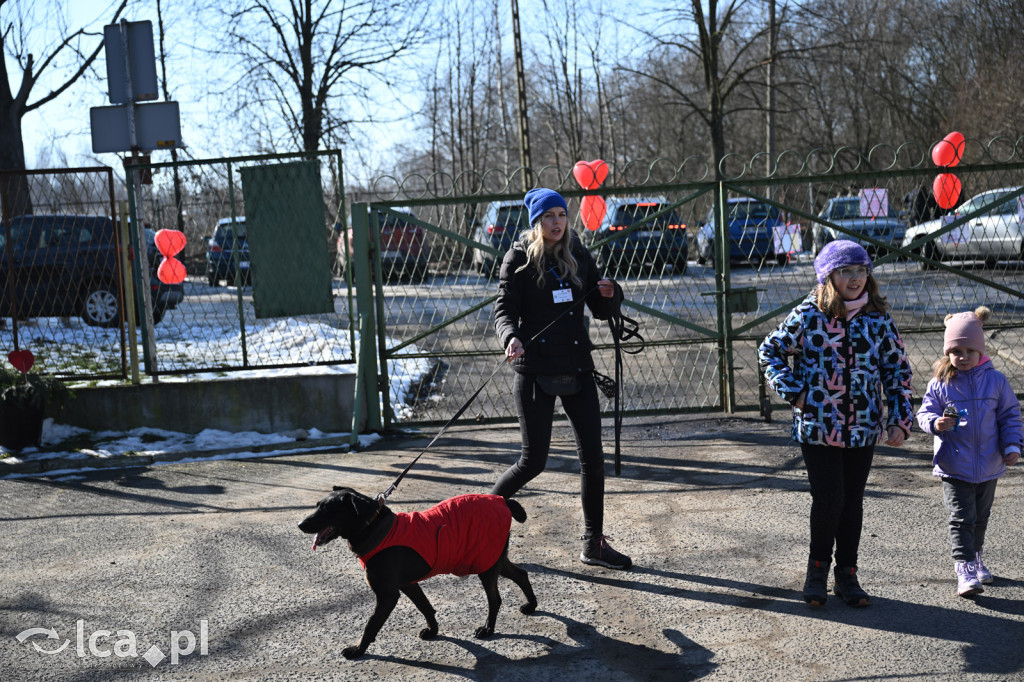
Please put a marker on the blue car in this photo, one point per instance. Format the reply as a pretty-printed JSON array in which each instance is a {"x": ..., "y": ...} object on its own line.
[
  {"x": 221, "y": 263},
  {"x": 753, "y": 225}
]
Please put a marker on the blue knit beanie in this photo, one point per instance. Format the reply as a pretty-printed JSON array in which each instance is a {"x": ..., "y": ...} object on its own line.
[
  {"x": 839, "y": 254},
  {"x": 539, "y": 200}
]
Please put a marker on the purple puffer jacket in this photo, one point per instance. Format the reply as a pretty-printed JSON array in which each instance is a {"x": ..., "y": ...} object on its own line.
[{"x": 974, "y": 452}]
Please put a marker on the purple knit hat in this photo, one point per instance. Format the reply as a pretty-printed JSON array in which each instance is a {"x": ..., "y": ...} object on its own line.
[{"x": 839, "y": 254}]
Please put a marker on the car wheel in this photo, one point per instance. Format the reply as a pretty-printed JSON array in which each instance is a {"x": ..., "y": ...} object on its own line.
[
  {"x": 817, "y": 241},
  {"x": 158, "y": 313},
  {"x": 101, "y": 306},
  {"x": 211, "y": 278},
  {"x": 782, "y": 259},
  {"x": 680, "y": 265},
  {"x": 991, "y": 262}
]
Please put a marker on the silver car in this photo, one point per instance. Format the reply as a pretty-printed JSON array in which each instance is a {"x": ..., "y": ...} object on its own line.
[{"x": 990, "y": 236}]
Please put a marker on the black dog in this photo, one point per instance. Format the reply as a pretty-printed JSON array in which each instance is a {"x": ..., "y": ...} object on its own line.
[{"x": 463, "y": 535}]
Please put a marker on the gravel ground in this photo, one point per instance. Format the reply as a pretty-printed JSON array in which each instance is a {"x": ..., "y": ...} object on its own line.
[{"x": 713, "y": 511}]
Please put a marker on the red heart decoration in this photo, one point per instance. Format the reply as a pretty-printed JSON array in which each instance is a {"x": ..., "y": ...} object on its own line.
[
  {"x": 590, "y": 174},
  {"x": 593, "y": 208},
  {"x": 169, "y": 242},
  {"x": 22, "y": 360},
  {"x": 171, "y": 271}
]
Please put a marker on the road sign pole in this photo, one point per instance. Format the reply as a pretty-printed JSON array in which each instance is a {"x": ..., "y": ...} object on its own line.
[{"x": 135, "y": 185}]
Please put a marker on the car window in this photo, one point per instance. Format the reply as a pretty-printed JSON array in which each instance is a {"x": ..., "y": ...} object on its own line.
[
  {"x": 631, "y": 213},
  {"x": 981, "y": 201},
  {"x": 512, "y": 216},
  {"x": 752, "y": 210}
]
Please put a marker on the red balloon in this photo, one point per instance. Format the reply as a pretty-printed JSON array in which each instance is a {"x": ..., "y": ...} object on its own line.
[
  {"x": 170, "y": 242},
  {"x": 590, "y": 174},
  {"x": 946, "y": 189},
  {"x": 592, "y": 209},
  {"x": 948, "y": 151},
  {"x": 22, "y": 360},
  {"x": 171, "y": 271}
]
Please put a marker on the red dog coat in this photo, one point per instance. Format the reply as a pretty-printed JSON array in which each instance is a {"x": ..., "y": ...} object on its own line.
[{"x": 462, "y": 535}]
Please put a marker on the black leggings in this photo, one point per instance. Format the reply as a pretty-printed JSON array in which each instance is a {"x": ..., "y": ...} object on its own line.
[
  {"x": 838, "y": 477},
  {"x": 536, "y": 411}
]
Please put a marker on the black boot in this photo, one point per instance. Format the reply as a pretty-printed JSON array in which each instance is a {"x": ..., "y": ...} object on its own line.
[
  {"x": 848, "y": 588},
  {"x": 816, "y": 584}
]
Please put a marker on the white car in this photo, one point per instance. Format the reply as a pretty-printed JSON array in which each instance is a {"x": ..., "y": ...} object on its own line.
[{"x": 990, "y": 236}]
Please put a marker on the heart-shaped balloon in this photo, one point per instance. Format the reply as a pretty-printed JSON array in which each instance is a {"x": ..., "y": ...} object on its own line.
[
  {"x": 171, "y": 271},
  {"x": 169, "y": 242},
  {"x": 948, "y": 151},
  {"x": 946, "y": 188},
  {"x": 590, "y": 174},
  {"x": 592, "y": 210},
  {"x": 22, "y": 360}
]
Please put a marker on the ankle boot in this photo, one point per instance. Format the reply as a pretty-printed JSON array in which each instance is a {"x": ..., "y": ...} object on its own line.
[
  {"x": 816, "y": 583},
  {"x": 848, "y": 588}
]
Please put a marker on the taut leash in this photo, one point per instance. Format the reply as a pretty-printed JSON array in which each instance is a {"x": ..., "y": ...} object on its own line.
[{"x": 383, "y": 496}]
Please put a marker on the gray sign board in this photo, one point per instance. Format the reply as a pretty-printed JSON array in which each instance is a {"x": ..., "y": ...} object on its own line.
[
  {"x": 141, "y": 61},
  {"x": 157, "y": 126}
]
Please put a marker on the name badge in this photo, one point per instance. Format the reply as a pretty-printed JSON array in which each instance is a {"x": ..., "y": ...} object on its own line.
[{"x": 562, "y": 295}]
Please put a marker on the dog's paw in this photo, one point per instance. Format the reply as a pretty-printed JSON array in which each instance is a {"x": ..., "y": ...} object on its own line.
[
  {"x": 428, "y": 633},
  {"x": 484, "y": 632},
  {"x": 351, "y": 652},
  {"x": 528, "y": 608}
]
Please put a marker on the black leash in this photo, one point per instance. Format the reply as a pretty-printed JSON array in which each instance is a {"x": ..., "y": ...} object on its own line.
[
  {"x": 382, "y": 497},
  {"x": 623, "y": 329}
]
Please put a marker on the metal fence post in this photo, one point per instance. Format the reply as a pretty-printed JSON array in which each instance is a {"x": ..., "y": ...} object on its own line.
[{"x": 367, "y": 403}]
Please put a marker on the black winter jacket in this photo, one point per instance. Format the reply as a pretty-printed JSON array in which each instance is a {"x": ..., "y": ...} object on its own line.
[{"x": 523, "y": 309}]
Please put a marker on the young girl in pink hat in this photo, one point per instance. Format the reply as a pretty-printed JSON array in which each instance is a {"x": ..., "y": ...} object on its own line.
[{"x": 975, "y": 417}]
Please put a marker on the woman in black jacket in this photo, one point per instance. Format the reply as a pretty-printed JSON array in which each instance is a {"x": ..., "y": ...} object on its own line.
[{"x": 541, "y": 326}]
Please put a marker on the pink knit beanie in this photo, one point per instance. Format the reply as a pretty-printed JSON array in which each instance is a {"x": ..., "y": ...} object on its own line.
[{"x": 964, "y": 330}]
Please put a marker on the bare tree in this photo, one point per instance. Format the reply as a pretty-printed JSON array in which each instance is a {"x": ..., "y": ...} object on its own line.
[
  {"x": 300, "y": 66},
  {"x": 74, "y": 52}
]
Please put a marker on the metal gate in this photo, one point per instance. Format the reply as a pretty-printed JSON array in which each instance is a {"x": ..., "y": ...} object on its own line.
[{"x": 751, "y": 243}]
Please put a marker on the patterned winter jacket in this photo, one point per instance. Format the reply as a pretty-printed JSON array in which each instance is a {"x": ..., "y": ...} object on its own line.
[
  {"x": 974, "y": 452},
  {"x": 847, "y": 368}
]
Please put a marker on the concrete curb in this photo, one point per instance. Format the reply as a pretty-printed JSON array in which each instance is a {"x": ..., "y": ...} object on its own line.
[{"x": 44, "y": 466}]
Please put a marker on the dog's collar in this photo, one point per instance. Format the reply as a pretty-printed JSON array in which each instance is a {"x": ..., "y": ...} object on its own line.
[{"x": 373, "y": 531}]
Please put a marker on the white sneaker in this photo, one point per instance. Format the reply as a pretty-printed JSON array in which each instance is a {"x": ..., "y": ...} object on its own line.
[
  {"x": 967, "y": 583},
  {"x": 984, "y": 575}
]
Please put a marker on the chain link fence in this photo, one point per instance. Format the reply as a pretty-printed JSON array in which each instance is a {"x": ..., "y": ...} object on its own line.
[{"x": 749, "y": 246}]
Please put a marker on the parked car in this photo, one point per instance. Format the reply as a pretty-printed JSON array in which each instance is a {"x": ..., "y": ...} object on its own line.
[
  {"x": 658, "y": 242},
  {"x": 752, "y": 228},
  {"x": 499, "y": 227},
  {"x": 995, "y": 234},
  {"x": 849, "y": 213},
  {"x": 66, "y": 265},
  {"x": 221, "y": 264},
  {"x": 404, "y": 254}
]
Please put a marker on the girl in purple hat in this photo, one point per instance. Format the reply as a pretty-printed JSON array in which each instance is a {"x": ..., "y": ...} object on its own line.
[
  {"x": 850, "y": 367},
  {"x": 975, "y": 417},
  {"x": 538, "y": 319}
]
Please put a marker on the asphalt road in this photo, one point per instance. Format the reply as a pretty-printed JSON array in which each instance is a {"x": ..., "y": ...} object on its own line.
[{"x": 713, "y": 511}]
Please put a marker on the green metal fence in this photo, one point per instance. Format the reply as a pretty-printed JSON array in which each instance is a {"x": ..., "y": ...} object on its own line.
[{"x": 702, "y": 322}]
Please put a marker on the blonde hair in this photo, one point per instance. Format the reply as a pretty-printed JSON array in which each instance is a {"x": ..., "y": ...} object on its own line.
[
  {"x": 831, "y": 302},
  {"x": 565, "y": 263},
  {"x": 944, "y": 369}
]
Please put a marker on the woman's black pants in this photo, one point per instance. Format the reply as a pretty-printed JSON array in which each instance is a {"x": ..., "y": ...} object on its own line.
[
  {"x": 536, "y": 411},
  {"x": 837, "y": 477}
]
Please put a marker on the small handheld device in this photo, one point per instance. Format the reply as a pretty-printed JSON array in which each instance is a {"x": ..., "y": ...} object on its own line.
[{"x": 951, "y": 411}]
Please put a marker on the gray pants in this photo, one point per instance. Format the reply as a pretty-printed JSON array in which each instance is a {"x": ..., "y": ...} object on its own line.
[{"x": 969, "y": 505}]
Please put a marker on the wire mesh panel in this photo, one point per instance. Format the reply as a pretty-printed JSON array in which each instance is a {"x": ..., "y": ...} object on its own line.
[
  {"x": 216, "y": 327},
  {"x": 62, "y": 271},
  {"x": 708, "y": 269}
]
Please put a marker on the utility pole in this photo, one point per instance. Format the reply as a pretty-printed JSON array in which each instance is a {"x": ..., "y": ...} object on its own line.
[
  {"x": 524, "y": 121},
  {"x": 770, "y": 121}
]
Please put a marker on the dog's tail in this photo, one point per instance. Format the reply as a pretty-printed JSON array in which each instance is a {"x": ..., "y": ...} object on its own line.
[{"x": 518, "y": 513}]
